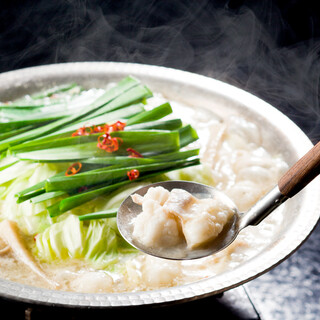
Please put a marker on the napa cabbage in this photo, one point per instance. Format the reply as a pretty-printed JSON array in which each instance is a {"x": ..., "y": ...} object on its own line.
[
  {"x": 31, "y": 218},
  {"x": 97, "y": 241}
]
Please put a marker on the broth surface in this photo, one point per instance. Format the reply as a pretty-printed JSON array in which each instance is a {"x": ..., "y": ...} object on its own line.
[{"x": 234, "y": 161}]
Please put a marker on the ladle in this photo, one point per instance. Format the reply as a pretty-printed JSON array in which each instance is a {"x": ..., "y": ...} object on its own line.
[{"x": 293, "y": 181}]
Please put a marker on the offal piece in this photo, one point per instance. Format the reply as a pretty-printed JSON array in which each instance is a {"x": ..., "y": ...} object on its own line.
[{"x": 172, "y": 218}]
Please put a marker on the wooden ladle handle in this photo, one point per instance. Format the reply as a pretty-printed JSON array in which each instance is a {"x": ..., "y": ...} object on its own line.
[{"x": 301, "y": 173}]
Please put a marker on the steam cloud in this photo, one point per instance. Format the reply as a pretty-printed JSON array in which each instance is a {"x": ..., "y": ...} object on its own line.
[{"x": 234, "y": 42}]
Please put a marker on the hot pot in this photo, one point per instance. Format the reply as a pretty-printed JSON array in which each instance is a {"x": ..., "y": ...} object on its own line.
[{"x": 300, "y": 213}]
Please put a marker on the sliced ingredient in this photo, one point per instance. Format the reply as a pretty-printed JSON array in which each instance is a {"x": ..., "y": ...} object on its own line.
[
  {"x": 10, "y": 234},
  {"x": 172, "y": 218}
]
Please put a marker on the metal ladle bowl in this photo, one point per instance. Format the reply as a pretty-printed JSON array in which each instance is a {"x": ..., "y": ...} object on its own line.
[{"x": 295, "y": 179}]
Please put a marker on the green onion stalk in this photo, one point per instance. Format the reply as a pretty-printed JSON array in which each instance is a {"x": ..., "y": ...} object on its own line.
[{"x": 98, "y": 145}]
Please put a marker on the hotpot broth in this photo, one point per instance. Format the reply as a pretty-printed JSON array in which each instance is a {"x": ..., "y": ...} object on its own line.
[
  {"x": 75, "y": 276},
  {"x": 274, "y": 134}
]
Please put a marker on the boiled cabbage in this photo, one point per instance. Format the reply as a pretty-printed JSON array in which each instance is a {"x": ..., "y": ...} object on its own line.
[{"x": 96, "y": 241}]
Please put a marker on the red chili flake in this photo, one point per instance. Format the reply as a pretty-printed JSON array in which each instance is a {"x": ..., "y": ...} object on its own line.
[
  {"x": 73, "y": 169},
  {"x": 97, "y": 129},
  {"x": 107, "y": 143},
  {"x": 134, "y": 153},
  {"x": 133, "y": 174},
  {"x": 117, "y": 126},
  {"x": 107, "y": 128},
  {"x": 83, "y": 131}
]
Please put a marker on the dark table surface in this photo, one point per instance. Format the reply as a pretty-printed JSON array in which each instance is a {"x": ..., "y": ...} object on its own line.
[{"x": 269, "y": 48}]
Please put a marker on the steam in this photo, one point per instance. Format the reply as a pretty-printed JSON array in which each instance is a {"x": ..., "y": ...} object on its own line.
[{"x": 240, "y": 45}]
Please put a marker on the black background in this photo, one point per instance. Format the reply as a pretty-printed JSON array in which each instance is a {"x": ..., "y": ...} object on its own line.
[{"x": 269, "y": 48}]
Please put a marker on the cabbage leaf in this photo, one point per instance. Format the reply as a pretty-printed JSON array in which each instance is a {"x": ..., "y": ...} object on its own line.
[{"x": 98, "y": 242}]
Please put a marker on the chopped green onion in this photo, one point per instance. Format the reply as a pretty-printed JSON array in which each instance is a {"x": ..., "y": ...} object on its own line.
[
  {"x": 46, "y": 141},
  {"x": 145, "y": 142},
  {"x": 153, "y": 114},
  {"x": 46, "y": 196},
  {"x": 110, "y": 95},
  {"x": 111, "y": 213},
  {"x": 81, "y": 198},
  {"x": 107, "y": 176},
  {"x": 172, "y": 124},
  {"x": 40, "y": 129},
  {"x": 187, "y": 135}
]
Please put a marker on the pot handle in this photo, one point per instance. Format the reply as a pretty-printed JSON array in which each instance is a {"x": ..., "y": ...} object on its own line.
[{"x": 301, "y": 173}]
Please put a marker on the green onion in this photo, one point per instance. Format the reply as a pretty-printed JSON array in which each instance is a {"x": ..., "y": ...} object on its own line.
[
  {"x": 39, "y": 129},
  {"x": 172, "y": 124},
  {"x": 187, "y": 135},
  {"x": 123, "y": 113},
  {"x": 54, "y": 210},
  {"x": 39, "y": 188},
  {"x": 23, "y": 106},
  {"x": 16, "y": 114},
  {"x": 76, "y": 200},
  {"x": 46, "y": 141},
  {"x": 31, "y": 192},
  {"x": 81, "y": 198},
  {"x": 64, "y": 154},
  {"x": 133, "y": 95},
  {"x": 145, "y": 142},
  {"x": 111, "y": 213},
  {"x": 148, "y": 142},
  {"x": 15, "y": 132},
  {"x": 110, "y": 95},
  {"x": 172, "y": 156},
  {"x": 120, "y": 160},
  {"x": 14, "y": 125},
  {"x": 107, "y": 176},
  {"x": 153, "y": 114},
  {"x": 46, "y": 196}
]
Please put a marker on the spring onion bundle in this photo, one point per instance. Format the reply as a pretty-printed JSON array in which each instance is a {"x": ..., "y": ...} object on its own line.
[{"x": 102, "y": 140}]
